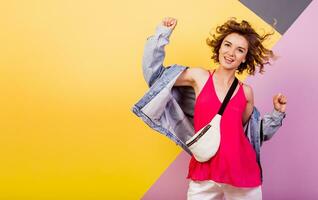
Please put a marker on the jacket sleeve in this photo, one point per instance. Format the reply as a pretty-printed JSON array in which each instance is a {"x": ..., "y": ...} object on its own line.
[
  {"x": 154, "y": 54},
  {"x": 270, "y": 124}
]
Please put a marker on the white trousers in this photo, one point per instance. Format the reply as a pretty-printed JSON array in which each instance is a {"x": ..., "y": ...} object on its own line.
[{"x": 210, "y": 190}]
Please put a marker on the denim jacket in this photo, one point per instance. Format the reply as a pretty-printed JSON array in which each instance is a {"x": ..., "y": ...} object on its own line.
[{"x": 169, "y": 109}]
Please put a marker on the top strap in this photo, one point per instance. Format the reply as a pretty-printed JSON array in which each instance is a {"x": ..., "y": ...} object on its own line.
[
  {"x": 212, "y": 72},
  {"x": 228, "y": 96}
]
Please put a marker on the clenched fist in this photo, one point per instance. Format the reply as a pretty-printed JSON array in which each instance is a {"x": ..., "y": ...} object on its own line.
[
  {"x": 169, "y": 22},
  {"x": 280, "y": 102}
]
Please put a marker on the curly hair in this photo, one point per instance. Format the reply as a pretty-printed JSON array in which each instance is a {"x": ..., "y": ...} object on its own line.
[{"x": 257, "y": 55}]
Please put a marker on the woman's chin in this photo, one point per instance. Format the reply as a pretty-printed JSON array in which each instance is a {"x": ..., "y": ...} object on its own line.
[{"x": 228, "y": 66}]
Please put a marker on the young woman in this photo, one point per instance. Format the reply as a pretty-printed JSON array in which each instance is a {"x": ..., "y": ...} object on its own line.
[{"x": 233, "y": 172}]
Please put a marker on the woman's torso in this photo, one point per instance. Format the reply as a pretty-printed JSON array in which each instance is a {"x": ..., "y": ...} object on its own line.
[{"x": 235, "y": 162}]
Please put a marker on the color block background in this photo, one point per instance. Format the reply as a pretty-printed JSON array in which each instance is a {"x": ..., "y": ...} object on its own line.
[{"x": 71, "y": 70}]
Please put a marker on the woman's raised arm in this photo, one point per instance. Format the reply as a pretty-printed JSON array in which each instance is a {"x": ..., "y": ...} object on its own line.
[{"x": 154, "y": 54}]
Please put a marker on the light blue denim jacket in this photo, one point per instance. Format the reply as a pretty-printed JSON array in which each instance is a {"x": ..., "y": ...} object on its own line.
[{"x": 169, "y": 109}]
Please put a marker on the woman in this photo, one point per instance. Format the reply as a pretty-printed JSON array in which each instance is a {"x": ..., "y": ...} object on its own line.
[{"x": 233, "y": 172}]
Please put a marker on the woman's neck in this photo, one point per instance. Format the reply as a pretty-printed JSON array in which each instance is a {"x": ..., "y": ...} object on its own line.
[{"x": 225, "y": 76}]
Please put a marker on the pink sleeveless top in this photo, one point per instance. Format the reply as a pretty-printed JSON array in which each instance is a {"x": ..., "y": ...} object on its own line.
[{"x": 235, "y": 162}]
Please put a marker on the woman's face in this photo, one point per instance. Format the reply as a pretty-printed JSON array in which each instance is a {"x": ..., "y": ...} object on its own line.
[{"x": 233, "y": 51}]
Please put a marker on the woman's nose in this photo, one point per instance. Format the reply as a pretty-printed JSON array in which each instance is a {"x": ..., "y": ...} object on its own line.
[{"x": 231, "y": 51}]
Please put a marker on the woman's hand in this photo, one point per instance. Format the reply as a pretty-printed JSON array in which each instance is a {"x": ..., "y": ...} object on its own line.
[
  {"x": 169, "y": 22},
  {"x": 280, "y": 102}
]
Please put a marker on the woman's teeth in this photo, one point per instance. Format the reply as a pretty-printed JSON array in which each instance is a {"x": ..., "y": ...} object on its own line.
[{"x": 228, "y": 60}]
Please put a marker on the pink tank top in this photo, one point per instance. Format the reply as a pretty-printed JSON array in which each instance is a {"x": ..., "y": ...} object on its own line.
[{"x": 235, "y": 162}]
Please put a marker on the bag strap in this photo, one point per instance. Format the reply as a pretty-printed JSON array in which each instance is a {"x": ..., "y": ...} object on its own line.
[{"x": 228, "y": 96}]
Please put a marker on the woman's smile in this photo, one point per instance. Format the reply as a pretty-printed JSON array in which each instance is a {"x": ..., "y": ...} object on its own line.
[{"x": 228, "y": 60}]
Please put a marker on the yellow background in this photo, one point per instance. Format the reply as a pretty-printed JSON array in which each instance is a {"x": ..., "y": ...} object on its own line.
[{"x": 70, "y": 72}]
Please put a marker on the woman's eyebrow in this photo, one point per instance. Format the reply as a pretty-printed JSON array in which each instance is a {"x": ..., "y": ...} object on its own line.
[
  {"x": 231, "y": 43},
  {"x": 241, "y": 48}
]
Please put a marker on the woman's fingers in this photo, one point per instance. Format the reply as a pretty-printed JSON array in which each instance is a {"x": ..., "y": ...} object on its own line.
[
  {"x": 169, "y": 22},
  {"x": 280, "y": 98},
  {"x": 283, "y": 99}
]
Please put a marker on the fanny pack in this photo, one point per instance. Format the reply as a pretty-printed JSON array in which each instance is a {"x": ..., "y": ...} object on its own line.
[{"x": 205, "y": 143}]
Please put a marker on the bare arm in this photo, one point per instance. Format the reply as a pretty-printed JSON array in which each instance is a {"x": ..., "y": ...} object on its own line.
[
  {"x": 186, "y": 78},
  {"x": 250, "y": 103},
  {"x": 192, "y": 77}
]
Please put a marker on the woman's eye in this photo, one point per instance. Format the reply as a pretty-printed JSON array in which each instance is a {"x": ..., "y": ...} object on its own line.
[
  {"x": 240, "y": 50},
  {"x": 226, "y": 44}
]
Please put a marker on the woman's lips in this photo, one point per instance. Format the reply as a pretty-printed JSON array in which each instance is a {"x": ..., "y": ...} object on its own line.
[{"x": 228, "y": 60}]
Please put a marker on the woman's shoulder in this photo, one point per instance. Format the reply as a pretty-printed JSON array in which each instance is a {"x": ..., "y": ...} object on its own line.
[
  {"x": 200, "y": 75},
  {"x": 248, "y": 91},
  {"x": 246, "y": 86},
  {"x": 198, "y": 72}
]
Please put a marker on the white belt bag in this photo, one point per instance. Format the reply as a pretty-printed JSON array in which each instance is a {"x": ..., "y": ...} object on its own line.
[{"x": 205, "y": 143}]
